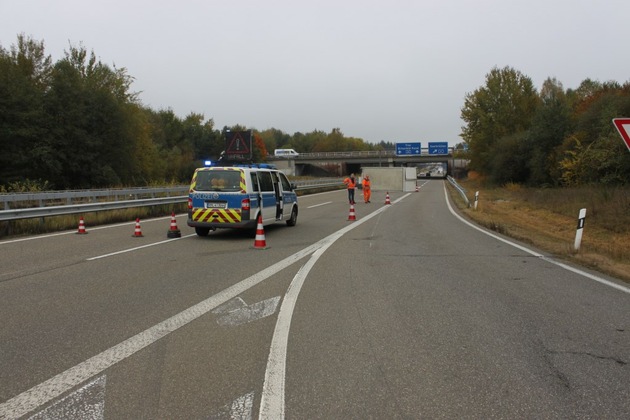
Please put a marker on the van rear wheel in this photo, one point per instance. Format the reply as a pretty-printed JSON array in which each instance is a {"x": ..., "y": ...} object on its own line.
[
  {"x": 293, "y": 219},
  {"x": 200, "y": 231}
]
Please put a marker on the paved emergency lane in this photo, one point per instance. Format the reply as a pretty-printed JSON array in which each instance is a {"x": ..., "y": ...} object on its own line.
[
  {"x": 404, "y": 295},
  {"x": 417, "y": 315}
]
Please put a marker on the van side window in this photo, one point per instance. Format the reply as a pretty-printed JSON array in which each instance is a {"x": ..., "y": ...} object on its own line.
[
  {"x": 286, "y": 185},
  {"x": 254, "y": 182},
  {"x": 266, "y": 184}
]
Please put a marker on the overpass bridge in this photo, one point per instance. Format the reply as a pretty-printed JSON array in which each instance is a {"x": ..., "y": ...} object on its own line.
[{"x": 343, "y": 163}]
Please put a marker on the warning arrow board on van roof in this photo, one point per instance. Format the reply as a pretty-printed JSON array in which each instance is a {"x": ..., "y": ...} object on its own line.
[
  {"x": 238, "y": 143},
  {"x": 623, "y": 126}
]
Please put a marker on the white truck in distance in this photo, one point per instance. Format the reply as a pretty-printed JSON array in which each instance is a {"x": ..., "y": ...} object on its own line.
[{"x": 285, "y": 153}]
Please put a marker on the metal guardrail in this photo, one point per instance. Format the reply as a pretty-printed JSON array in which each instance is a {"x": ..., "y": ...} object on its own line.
[
  {"x": 459, "y": 188},
  {"x": 29, "y": 213},
  {"x": 73, "y": 196},
  {"x": 110, "y": 199}
]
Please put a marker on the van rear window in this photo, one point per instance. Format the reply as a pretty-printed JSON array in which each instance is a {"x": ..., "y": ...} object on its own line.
[{"x": 218, "y": 181}]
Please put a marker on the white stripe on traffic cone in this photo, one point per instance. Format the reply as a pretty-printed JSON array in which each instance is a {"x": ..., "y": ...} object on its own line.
[
  {"x": 352, "y": 216},
  {"x": 260, "y": 242},
  {"x": 138, "y": 231}
]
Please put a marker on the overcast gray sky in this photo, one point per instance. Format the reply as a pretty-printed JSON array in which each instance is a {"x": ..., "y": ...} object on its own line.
[{"x": 390, "y": 70}]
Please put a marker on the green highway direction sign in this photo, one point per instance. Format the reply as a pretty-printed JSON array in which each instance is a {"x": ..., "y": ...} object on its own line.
[{"x": 623, "y": 126}]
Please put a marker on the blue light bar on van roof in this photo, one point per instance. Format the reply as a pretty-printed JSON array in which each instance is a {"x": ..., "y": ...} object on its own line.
[
  {"x": 207, "y": 163},
  {"x": 255, "y": 165}
]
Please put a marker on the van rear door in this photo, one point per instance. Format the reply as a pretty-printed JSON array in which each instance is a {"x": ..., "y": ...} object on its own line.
[
  {"x": 289, "y": 196},
  {"x": 278, "y": 192}
]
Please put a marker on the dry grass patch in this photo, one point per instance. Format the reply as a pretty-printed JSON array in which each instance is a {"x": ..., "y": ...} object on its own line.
[{"x": 547, "y": 219}]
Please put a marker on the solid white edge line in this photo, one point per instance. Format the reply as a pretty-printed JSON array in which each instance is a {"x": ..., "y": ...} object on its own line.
[
  {"x": 137, "y": 248},
  {"x": 273, "y": 394},
  {"x": 318, "y": 205},
  {"x": 536, "y": 254},
  {"x": 70, "y": 232},
  {"x": 52, "y": 388},
  {"x": 272, "y": 400}
]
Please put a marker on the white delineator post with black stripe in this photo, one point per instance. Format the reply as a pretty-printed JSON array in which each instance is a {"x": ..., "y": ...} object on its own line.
[{"x": 580, "y": 228}]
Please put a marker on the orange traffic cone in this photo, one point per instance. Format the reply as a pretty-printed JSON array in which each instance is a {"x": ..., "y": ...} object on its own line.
[
  {"x": 81, "y": 230},
  {"x": 352, "y": 217},
  {"x": 417, "y": 188},
  {"x": 173, "y": 232},
  {"x": 387, "y": 198},
  {"x": 260, "y": 242},
  {"x": 138, "y": 232}
]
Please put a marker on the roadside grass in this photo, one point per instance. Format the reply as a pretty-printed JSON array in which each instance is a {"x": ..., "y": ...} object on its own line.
[{"x": 547, "y": 219}]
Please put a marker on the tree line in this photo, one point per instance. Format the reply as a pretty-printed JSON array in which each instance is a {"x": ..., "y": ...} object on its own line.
[
  {"x": 552, "y": 137},
  {"x": 75, "y": 123}
]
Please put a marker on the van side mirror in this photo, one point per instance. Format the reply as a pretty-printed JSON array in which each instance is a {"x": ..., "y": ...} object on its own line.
[{"x": 293, "y": 186}]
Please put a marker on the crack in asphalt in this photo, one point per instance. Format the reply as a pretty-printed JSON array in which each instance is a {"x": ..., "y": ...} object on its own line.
[{"x": 595, "y": 356}]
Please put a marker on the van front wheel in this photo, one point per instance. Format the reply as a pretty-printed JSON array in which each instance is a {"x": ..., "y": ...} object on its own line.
[{"x": 293, "y": 220}]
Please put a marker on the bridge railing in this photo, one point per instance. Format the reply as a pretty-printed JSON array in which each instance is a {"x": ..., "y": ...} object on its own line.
[
  {"x": 363, "y": 154},
  {"x": 328, "y": 155}
]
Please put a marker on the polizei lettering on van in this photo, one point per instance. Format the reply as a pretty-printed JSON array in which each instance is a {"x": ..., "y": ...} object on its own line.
[{"x": 234, "y": 197}]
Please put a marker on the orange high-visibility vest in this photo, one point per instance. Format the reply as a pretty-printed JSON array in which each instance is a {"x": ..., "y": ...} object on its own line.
[{"x": 351, "y": 184}]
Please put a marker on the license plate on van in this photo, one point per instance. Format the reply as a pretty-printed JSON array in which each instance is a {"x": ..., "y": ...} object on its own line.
[{"x": 215, "y": 205}]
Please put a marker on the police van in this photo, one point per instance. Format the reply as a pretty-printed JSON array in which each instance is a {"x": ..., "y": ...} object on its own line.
[{"x": 234, "y": 196}]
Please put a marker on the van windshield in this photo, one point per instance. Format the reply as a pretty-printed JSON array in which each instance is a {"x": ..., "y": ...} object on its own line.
[{"x": 218, "y": 181}]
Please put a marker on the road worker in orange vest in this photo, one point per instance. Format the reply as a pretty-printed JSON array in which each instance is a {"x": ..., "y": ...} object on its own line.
[
  {"x": 351, "y": 183},
  {"x": 367, "y": 190}
]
